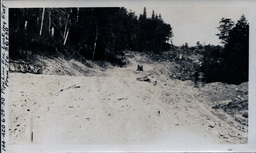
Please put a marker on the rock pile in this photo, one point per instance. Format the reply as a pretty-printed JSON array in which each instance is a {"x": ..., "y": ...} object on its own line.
[{"x": 25, "y": 67}]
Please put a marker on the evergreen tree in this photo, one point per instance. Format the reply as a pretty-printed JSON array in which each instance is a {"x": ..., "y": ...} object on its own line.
[
  {"x": 225, "y": 27},
  {"x": 235, "y": 56},
  {"x": 236, "y": 53}
]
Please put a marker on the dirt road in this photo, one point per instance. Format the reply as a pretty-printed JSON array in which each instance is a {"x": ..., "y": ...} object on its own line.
[{"x": 118, "y": 109}]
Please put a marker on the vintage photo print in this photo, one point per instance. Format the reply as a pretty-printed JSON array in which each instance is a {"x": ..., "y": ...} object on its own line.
[{"x": 126, "y": 76}]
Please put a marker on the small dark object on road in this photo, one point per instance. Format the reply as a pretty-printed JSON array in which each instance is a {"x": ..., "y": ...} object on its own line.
[{"x": 139, "y": 67}]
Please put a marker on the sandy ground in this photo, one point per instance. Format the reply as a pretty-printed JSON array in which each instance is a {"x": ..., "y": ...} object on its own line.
[{"x": 115, "y": 108}]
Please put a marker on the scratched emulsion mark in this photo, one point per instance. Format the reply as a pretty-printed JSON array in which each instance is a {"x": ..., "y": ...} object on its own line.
[{"x": 4, "y": 74}]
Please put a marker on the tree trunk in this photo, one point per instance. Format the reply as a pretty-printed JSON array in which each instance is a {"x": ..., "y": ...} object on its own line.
[
  {"x": 66, "y": 37},
  {"x": 95, "y": 43},
  {"x": 52, "y": 32},
  {"x": 37, "y": 22},
  {"x": 77, "y": 15},
  {"x": 60, "y": 23},
  {"x": 66, "y": 27},
  {"x": 42, "y": 22},
  {"x": 66, "y": 31},
  {"x": 18, "y": 23},
  {"x": 50, "y": 22},
  {"x": 25, "y": 25}
]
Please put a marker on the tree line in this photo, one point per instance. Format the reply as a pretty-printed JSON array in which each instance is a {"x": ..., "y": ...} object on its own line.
[
  {"x": 104, "y": 33},
  {"x": 93, "y": 33},
  {"x": 227, "y": 63}
]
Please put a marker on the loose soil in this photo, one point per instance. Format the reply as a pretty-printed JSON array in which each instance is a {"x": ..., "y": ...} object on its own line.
[{"x": 111, "y": 107}]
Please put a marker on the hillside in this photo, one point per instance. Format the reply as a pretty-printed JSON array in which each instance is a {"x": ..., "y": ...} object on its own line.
[{"x": 69, "y": 102}]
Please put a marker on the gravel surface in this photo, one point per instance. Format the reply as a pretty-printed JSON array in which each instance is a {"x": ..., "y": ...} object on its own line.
[{"x": 112, "y": 107}]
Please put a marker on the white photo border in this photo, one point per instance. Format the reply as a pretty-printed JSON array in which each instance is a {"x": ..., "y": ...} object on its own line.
[{"x": 5, "y": 147}]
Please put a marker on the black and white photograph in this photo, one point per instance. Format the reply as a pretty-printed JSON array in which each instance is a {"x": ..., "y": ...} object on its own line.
[{"x": 128, "y": 75}]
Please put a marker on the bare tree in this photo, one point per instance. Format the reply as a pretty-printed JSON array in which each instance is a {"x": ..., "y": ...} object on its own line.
[
  {"x": 95, "y": 42},
  {"x": 66, "y": 31},
  {"x": 42, "y": 22},
  {"x": 66, "y": 37},
  {"x": 50, "y": 21}
]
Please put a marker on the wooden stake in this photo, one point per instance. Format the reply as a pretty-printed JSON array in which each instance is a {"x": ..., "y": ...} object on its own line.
[{"x": 31, "y": 130}]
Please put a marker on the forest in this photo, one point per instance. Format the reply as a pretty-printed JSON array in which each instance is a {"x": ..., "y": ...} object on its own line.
[
  {"x": 94, "y": 33},
  {"x": 104, "y": 34}
]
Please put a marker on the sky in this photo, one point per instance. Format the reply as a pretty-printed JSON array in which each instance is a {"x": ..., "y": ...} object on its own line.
[{"x": 194, "y": 21}]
